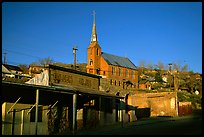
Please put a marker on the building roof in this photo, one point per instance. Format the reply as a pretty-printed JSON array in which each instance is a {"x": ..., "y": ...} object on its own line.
[
  {"x": 118, "y": 61},
  {"x": 72, "y": 71},
  {"x": 4, "y": 69},
  {"x": 143, "y": 81},
  {"x": 11, "y": 67}
]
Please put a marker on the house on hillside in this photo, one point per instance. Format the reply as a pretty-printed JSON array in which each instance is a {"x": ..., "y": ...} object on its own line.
[
  {"x": 144, "y": 84},
  {"x": 6, "y": 72},
  {"x": 10, "y": 72},
  {"x": 14, "y": 70}
]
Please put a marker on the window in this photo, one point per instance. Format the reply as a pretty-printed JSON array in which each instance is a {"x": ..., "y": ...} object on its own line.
[
  {"x": 113, "y": 70},
  {"x": 98, "y": 71},
  {"x": 97, "y": 51},
  {"x": 127, "y": 73},
  {"x": 115, "y": 82},
  {"x": 91, "y": 62},
  {"x": 32, "y": 114},
  {"x": 110, "y": 81},
  {"x": 118, "y": 83},
  {"x": 133, "y": 74},
  {"x": 119, "y": 72}
]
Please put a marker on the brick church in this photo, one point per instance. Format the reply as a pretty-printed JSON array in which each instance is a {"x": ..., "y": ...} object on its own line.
[{"x": 118, "y": 69}]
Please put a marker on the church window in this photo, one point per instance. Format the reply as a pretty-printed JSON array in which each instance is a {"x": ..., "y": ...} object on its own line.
[
  {"x": 133, "y": 75},
  {"x": 120, "y": 72},
  {"x": 91, "y": 62},
  {"x": 98, "y": 71},
  {"x": 97, "y": 53},
  {"x": 113, "y": 70},
  {"x": 127, "y": 73},
  {"x": 110, "y": 81}
]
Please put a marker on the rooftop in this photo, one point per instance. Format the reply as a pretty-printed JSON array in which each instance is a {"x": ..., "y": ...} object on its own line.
[{"x": 118, "y": 61}]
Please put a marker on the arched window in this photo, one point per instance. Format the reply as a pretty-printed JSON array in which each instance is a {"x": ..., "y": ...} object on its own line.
[
  {"x": 91, "y": 62},
  {"x": 97, "y": 52}
]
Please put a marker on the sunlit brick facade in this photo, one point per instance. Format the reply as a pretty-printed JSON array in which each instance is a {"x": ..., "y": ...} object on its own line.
[{"x": 118, "y": 69}]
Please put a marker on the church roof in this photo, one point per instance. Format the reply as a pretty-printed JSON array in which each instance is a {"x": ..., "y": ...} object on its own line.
[{"x": 118, "y": 61}]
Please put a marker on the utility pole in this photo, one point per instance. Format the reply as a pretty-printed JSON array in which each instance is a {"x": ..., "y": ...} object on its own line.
[
  {"x": 74, "y": 52},
  {"x": 170, "y": 65},
  {"x": 4, "y": 58}
]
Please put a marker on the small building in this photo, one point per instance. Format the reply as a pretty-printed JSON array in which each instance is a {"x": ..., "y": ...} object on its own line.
[
  {"x": 144, "y": 84},
  {"x": 11, "y": 70},
  {"x": 6, "y": 72}
]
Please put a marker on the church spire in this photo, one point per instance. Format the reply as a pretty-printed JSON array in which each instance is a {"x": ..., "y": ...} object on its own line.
[{"x": 94, "y": 35}]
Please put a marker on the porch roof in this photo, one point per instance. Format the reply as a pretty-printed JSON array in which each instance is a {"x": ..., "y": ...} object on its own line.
[{"x": 12, "y": 91}]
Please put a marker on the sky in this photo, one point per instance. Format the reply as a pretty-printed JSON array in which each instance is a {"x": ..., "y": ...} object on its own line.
[{"x": 150, "y": 32}]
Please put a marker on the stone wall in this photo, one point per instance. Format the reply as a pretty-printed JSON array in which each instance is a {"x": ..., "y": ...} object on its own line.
[{"x": 158, "y": 104}]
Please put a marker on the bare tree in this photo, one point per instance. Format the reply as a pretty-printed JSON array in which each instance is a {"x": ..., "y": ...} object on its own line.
[
  {"x": 43, "y": 62},
  {"x": 160, "y": 65},
  {"x": 184, "y": 68},
  {"x": 142, "y": 63},
  {"x": 150, "y": 65},
  {"x": 177, "y": 66}
]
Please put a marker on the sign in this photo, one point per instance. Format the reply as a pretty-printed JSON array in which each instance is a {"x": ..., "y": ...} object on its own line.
[{"x": 72, "y": 79}]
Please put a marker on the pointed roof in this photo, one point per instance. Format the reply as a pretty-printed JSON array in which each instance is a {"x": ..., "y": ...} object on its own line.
[
  {"x": 94, "y": 35},
  {"x": 4, "y": 69},
  {"x": 118, "y": 61}
]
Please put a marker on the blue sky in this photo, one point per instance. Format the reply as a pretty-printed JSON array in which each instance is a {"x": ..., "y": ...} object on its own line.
[{"x": 169, "y": 32}]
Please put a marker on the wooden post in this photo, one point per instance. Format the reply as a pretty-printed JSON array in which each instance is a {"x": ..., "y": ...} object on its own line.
[
  {"x": 99, "y": 113},
  {"x": 13, "y": 121},
  {"x": 22, "y": 121},
  {"x": 36, "y": 111},
  {"x": 74, "y": 113},
  {"x": 121, "y": 111}
]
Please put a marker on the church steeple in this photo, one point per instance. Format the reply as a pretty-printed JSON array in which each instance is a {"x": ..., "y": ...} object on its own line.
[{"x": 94, "y": 35}]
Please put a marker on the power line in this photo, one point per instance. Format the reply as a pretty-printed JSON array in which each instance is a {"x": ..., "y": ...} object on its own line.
[{"x": 22, "y": 53}]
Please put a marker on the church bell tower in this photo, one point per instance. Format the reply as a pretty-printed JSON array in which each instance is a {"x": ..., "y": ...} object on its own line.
[{"x": 93, "y": 51}]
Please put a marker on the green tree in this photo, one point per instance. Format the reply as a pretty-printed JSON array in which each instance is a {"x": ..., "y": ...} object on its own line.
[{"x": 158, "y": 77}]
